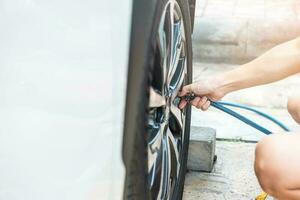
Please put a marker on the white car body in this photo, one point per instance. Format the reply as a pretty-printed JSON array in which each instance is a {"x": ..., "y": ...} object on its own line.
[{"x": 63, "y": 69}]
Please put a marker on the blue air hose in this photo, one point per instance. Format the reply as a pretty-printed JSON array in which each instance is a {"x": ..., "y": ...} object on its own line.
[
  {"x": 280, "y": 124},
  {"x": 222, "y": 106}
]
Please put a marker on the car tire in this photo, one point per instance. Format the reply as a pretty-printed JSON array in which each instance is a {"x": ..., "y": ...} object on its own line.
[{"x": 142, "y": 64}]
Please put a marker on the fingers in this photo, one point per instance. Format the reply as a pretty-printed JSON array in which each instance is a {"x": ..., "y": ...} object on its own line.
[
  {"x": 205, "y": 106},
  {"x": 202, "y": 103},
  {"x": 196, "y": 101},
  {"x": 182, "y": 104}
]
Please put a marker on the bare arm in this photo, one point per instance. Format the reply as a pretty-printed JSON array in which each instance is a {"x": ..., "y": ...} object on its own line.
[{"x": 276, "y": 64}]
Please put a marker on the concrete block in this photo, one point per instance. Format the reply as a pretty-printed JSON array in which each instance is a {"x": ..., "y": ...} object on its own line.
[{"x": 201, "y": 149}]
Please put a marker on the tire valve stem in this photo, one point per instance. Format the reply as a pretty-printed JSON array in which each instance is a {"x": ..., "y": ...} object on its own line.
[{"x": 189, "y": 97}]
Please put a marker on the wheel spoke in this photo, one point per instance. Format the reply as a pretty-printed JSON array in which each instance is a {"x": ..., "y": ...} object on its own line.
[
  {"x": 159, "y": 77},
  {"x": 156, "y": 99},
  {"x": 166, "y": 169},
  {"x": 155, "y": 173},
  {"x": 162, "y": 41},
  {"x": 162, "y": 54},
  {"x": 154, "y": 144},
  {"x": 174, "y": 154},
  {"x": 177, "y": 77},
  {"x": 176, "y": 119},
  {"x": 171, "y": 39},
  {"x": 176, "y": 68},
  {"x": 176, "y": 42},
  {"x": 155, "y": 150},
  {"x": 172, "y": 31}
]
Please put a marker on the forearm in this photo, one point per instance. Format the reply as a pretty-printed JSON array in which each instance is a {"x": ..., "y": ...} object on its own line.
[{"x": 276, "y": 64}]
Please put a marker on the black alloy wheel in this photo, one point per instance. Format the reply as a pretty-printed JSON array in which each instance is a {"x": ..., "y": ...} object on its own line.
[
  {"x": 158, "y": 165},
  {"x": 166, "y": 122}
]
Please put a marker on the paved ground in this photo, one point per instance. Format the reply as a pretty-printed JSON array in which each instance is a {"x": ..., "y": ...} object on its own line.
[
  {"x": 231, "y": 179},
  {"x": 229, "y": 33},
  {"x": 238, "y": 30},
  {"x": 266, "y": 9}
]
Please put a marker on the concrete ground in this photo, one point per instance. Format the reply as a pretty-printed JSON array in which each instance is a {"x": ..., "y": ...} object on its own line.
[
  {"x": 231, "y": 179},
  {"x": 227, "y": 34},
  {"x": 239, "y": 30}
]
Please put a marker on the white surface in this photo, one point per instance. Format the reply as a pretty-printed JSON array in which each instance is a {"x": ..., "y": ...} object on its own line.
[{"x": 62, "y": 94}]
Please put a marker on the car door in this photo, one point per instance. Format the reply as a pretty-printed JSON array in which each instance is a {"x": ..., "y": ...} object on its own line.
[{"x": 62, "y": 76}]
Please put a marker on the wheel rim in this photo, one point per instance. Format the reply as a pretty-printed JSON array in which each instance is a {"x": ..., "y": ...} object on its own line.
[{"x": 166, "y": 122}]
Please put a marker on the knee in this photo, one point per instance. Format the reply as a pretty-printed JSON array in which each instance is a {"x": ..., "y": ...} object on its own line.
[
  {"x": 267, "y": 162},
  {"x": 294, "y": 108}
]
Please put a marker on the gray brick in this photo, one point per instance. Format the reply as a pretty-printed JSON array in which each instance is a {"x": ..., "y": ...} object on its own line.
[{"x": 201, "y": 149}]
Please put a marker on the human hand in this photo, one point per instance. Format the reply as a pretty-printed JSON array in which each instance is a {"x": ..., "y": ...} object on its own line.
[{"x": 204, "y": 90}]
